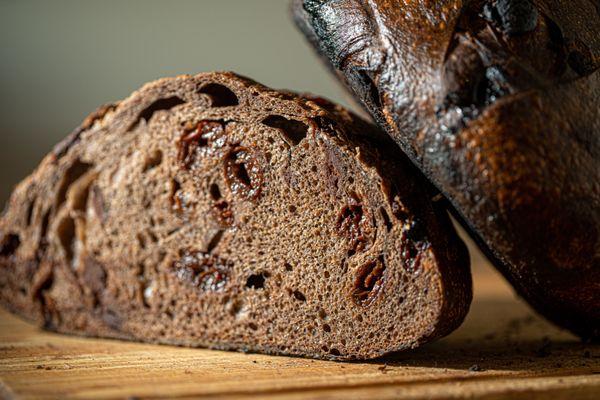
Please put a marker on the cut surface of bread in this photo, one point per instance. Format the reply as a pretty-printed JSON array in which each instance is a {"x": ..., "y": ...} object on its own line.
[
  {"x": 498, "y": 103},
  {"x": 211, "y": 211}
]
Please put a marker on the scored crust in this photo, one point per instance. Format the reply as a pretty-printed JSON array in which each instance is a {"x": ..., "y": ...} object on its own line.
[{"x": 211, "y": 211}]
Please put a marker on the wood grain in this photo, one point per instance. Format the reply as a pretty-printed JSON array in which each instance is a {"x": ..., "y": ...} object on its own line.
[{"x": 502, "y": 351}]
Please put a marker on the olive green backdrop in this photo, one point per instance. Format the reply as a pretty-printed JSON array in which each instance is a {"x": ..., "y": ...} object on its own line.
[{"x": 60, "y": 59}]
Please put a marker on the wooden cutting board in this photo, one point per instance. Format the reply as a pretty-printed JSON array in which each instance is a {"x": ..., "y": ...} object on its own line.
[{"x": 502, "y": 351}]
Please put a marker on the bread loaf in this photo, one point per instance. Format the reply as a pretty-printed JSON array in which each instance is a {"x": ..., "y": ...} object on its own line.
[{"x": 211, "y": 211}]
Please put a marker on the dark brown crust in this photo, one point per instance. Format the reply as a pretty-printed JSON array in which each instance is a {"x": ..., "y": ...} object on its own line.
[
  {"x": 66, "y": 268},
  {"x": 498, "y": 102}
]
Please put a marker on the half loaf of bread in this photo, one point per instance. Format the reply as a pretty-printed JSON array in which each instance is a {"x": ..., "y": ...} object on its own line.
[{"x": 211, "y": 211}]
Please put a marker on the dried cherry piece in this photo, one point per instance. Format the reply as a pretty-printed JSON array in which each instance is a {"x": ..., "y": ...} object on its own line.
[
  {"x": 350, "y": 224},
  {"x": 223, "y": 212},
  {"x": 412, "y": 252},
  {"x": 205, "y": 134},
  {"x": 221, "y": 206},
  {"x": 243, "y": 172},
  {"x": 369, "y": 281},
  {"x": 204, "y": 271}
]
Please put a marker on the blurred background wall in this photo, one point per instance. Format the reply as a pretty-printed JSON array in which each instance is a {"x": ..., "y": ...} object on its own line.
[{"x": 60, "y": 59}]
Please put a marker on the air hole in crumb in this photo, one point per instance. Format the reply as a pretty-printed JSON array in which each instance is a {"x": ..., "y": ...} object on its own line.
[
  {"x": 215, "y": 192},
  {"x": 66, "y": 235},
  {"x": 236, "y": 307},
  {"x": 334, "y": 352},
  {"x": 44, "y": 227},
  {"x": 153, "y": 160},
  {"x": 292, "y": 130},
  {"x": 252, "y": 326},
  {"x": 79, "y": 195},
  {"x": 141, "y": 241},
  {"x": 288, "y": 267},
  {"x": 326, "y": 274},
  {"x": 72, "y": 174},
  {"x": 386, "y": 219},
  {"x": 214, "y": 242},
  {"x": 325, "y": 349},
  {"x": 152, "y": 237},
  {"x": 299, "y": 296},
  {"x": 29, "y": 215},
  {"x": 220, "y": 95},
  {"x": 158, "y": 105},
  {"x": 256, "y": 281},
  {"x": 173, "y": 231},
  {"x": 292, "y": 208},
  {"x": 9, "y": 245},
  {"x": 326, "y": 328}
]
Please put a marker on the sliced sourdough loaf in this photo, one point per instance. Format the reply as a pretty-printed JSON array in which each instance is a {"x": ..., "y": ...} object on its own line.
[{"x": 211, "y": 211}]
